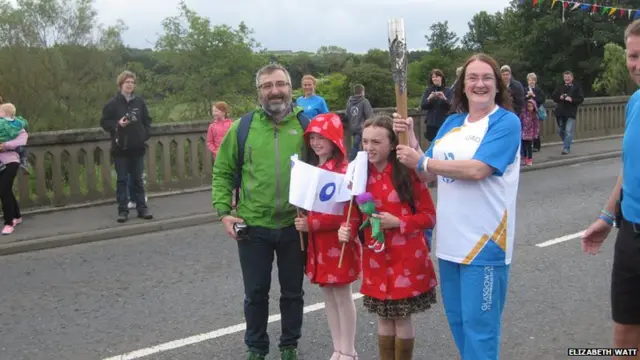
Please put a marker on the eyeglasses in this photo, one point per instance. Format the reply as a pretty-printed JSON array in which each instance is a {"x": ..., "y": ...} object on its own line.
[
  {"x": 475, "y": 79},
  {"x": 269, "y": 86}
]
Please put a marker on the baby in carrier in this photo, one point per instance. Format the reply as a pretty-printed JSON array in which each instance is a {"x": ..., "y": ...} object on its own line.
[{"x": 10, "y": 127}]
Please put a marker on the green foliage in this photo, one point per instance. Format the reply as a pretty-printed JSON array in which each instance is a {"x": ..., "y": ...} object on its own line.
[
  {"x": 442, "y": 39},
  {"x": 59, "y": 65},
  {"x": 614, "y": 79},
  {"x": 334, "y": 89}
]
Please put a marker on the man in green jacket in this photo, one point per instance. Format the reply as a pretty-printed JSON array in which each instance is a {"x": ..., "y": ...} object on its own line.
[{"x": 274, "y": 135}]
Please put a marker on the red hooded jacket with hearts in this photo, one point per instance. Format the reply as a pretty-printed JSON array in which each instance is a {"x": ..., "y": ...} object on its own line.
[
  {"x": 403, "y": 269},
  {"x": 323, "y": 253}
]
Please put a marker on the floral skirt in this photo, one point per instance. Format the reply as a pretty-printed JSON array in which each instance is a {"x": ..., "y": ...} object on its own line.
[{"x": 396, "y": 309}]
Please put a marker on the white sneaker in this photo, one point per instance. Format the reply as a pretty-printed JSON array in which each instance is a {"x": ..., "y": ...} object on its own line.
[{"x": 132, "y": 205}]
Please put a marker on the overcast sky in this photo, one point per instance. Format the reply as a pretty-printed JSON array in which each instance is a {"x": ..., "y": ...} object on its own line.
[{"x": 302, "y": 25}]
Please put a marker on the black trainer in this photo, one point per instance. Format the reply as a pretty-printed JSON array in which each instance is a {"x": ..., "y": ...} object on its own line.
[
  {"x": 145, "y": 214},
  {"x": 123, "y": 217}
]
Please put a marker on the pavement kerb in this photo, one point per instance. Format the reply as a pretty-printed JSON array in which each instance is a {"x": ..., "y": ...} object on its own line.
[
  {"x": 572, "y": 161},
  {"x": 49, "y": 209},
  {"x": 106, "y": 234},
  {"x": 207, "y": 218}
]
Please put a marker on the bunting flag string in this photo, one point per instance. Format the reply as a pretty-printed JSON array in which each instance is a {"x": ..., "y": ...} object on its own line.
[{"x": 569, "y": 5}]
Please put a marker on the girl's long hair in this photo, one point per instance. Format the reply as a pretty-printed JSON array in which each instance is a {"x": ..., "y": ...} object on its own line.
[{"x": 401, "y": 175}]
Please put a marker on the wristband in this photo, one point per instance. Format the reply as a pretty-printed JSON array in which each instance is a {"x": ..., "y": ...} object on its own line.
[
  {"x": 425, "y": 164},
  {"x": 606, "y": 219},
  {"x": 420, "y": 163},
  {"x": 608, "y": 214}
]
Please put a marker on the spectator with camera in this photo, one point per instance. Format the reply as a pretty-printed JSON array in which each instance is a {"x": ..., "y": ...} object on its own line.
[{"x": 126, "y": 118}]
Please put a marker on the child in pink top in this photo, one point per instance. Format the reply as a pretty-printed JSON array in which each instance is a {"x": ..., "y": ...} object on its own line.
[
  {"x": 219, "y": 126},
  {"x": 217, "y": 130}
]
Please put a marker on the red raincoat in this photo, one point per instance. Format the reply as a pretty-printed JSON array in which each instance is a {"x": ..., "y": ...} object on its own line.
[
  {"x": 404, "y": 269},
  {"x": 324, "y": 249}
]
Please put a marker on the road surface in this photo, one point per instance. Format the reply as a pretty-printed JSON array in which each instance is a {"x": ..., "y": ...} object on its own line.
[{"x": 126, "y": 296}]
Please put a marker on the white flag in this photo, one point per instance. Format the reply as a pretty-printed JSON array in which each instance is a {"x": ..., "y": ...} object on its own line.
[
  {"x": 315, "y": 189},
  {"x": 355, "y": 179}
]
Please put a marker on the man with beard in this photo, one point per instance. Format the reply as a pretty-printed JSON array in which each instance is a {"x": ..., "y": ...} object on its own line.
[{"x": 264, "y": 224}]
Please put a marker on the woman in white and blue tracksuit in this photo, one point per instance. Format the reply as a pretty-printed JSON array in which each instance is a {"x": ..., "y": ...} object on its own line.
[{"x": 475, "y": 158}]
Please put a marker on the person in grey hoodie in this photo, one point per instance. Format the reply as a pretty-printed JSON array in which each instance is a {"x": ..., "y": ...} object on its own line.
[{"x": 358, "y": 110}]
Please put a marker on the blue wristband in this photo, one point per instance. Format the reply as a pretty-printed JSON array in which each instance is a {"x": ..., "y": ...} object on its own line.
[
  {"x": 606, "y": 219},
  {"x": 606, "y": 213},
  {"x": 419, "y": 167}
]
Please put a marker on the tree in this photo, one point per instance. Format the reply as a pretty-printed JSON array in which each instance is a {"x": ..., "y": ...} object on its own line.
[
  {"x": 441, "y": 39},
  {"x": 57, "y": 61},
  {"x": 376, "y": 80},
  {"x": 206, "y": 62},
  {"x": 334, "y": 89},
  {"x": 614, "y": 79},
  {"x": 484, "y": 32}
]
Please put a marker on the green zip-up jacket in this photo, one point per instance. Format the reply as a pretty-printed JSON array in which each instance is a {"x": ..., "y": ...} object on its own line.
[{"x": 264, "y": 195}]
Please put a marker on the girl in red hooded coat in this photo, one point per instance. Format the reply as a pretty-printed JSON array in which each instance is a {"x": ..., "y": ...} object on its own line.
[
  {"x": 325, "y": 149},
  {"x": 398, "y": 281}
]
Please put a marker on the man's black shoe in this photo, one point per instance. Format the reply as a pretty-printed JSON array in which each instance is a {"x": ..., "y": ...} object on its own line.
[
  {"x": 145, "y": 214},
  {"x": 123, "y": 217}
]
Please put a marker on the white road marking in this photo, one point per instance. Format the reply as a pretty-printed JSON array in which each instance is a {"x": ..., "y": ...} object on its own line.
[
  {"x": 560, "y": 239},
  {"x": 207, "y": 336},
  {"x": 273, "y": 318}
]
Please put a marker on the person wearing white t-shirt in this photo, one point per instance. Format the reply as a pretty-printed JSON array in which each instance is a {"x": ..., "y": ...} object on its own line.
[{"x": 476, "y": 160}]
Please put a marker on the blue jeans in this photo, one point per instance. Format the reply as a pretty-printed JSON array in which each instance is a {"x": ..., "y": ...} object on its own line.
[
  {"x": 256, "y": 260},
  {"x": 357, "y": 140},
  {"x": 130, "y": 169},
  {"x": 130, "y": 190},
  {"x": 474, "y": 297},
  {"x": 565, "y": 130}
]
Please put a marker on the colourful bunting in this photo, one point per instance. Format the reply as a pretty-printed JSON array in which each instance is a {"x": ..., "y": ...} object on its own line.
[{"x": 631, "y": 14}]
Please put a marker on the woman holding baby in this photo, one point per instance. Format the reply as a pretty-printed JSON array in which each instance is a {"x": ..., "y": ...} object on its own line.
[{"x": 13, "y": 137}]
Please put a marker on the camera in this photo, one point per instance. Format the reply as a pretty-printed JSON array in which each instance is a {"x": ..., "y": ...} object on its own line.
[
  {"x": 241, "y": 230},
  {"x": 131, "y": 116}
]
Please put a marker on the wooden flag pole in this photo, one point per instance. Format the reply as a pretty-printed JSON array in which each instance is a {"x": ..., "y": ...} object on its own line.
[
  {"x": 348, "y": 221},
  {"x": 398, "y": 55}
]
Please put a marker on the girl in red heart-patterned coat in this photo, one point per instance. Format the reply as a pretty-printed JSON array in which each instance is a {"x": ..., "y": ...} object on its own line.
[
  {"x": 400, "y": 280},
  {"x": 325, "y": 149}
]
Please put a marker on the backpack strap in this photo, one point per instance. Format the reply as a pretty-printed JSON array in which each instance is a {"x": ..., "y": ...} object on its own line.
[
  {"x": 303, "y": 120},
  {"x": 242, "y": 134}
]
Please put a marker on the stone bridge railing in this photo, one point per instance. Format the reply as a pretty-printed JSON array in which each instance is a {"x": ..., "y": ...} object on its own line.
[{"x": 74, "y": 167}]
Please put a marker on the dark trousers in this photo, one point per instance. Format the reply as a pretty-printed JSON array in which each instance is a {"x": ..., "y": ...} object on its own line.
[
  {"x": 130, "y": 166},
  {"x": 527, "y": 149},
  {"x": 10, "y": 208},
  {"x": 256, "y": 259},
  {"x": 537, "y": 143},
  {"x": 357, "y": 141}
]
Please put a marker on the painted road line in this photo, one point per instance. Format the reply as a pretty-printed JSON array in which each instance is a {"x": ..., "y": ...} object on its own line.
[
  {"x": 561, "y": 239},
  {"x": 207, "y": 336}
]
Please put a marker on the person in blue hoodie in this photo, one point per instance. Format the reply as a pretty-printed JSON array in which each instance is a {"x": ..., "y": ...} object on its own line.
[{"x": 311, "y": 103}]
